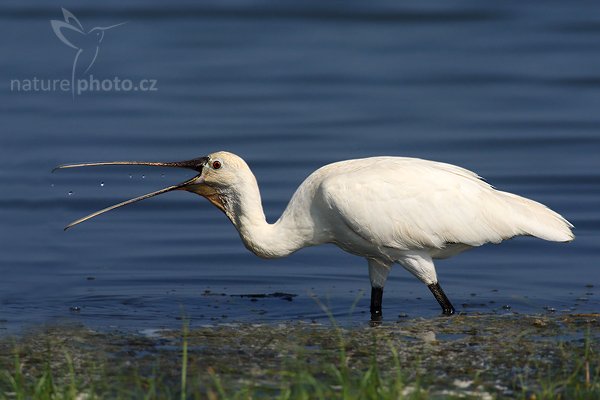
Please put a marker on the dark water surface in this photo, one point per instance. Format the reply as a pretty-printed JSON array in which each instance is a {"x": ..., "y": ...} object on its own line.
[{"x": 509, "y": 90}]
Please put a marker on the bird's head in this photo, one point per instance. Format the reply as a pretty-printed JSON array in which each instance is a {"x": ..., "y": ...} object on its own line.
[
  {"x": 97, "y": 33},
  {"x": 221, "y": 175}
]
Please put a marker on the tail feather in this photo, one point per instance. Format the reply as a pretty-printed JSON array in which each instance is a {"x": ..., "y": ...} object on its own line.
[{"x": 538, "y": 220}]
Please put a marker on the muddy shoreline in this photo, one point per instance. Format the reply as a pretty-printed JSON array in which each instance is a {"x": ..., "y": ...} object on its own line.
[{"x": 476, "y": 355}]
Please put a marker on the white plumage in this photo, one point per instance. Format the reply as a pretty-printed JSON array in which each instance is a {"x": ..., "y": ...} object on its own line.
[{"x": 385, "y": 209}]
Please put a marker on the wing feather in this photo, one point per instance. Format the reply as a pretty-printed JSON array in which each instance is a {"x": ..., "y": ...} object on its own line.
[{"x": 408, "y": 203}]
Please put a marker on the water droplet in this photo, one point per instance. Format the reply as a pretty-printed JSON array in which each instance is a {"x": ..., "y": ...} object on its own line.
[
  {"x": 130, "y": 176},
  {"x": 143, "y": 176},
  {"x": 162, "y": 175},
  {"x": 75, "y": 308},
  {"x": 70, "y": 193},
  {"x": 102, "y": 184},
  {"x": 52, "y": 185}
]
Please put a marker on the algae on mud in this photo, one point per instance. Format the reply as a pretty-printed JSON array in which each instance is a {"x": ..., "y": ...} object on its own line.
[{"x": 476, "y": 356}]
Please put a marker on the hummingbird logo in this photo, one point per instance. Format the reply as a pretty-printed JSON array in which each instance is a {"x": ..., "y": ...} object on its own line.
[{"x": 71, "y": 32}]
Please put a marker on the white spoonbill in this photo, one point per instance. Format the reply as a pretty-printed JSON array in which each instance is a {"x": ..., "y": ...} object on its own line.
[{"x": 386, "y": 209}]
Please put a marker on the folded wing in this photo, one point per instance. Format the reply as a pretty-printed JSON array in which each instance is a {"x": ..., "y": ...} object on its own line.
[{"x": 407, "y": 203}]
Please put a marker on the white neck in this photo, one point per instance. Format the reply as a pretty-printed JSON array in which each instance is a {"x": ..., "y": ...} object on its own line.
[{"x": 244, "y": 208}]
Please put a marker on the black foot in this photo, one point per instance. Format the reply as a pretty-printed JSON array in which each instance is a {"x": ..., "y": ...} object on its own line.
[
  {"x": 440, "y": 296},
  {"x": 376, "y": 299}
]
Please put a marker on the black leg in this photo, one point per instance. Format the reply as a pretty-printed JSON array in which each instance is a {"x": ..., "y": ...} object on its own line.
[
  {"x": 440, "y": 296},
  {"x": 376, "y": 299}
]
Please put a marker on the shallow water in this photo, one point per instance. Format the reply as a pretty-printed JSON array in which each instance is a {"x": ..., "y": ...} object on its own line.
[{"x": 507, "y": 90}]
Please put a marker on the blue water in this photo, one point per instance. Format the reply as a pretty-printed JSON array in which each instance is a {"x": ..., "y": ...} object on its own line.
[{"x": 509, "y": 90}]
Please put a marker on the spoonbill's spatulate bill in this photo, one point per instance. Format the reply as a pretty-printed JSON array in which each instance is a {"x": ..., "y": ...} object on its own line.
[{"x": 386, "y": 209}]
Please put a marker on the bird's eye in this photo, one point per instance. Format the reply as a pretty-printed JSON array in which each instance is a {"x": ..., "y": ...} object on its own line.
[{"x": 216, "y": 164}]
